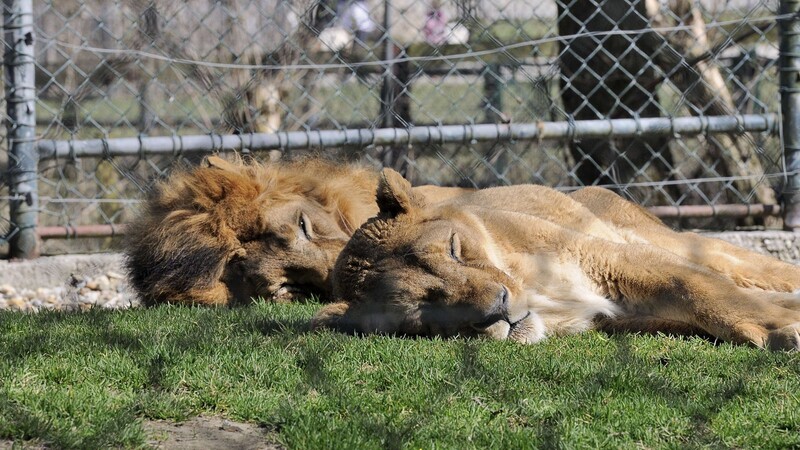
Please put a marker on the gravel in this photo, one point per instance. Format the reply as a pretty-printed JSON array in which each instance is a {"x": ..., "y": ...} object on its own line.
[
  {"x": 109, "y": 290},
  {"x": 66, "y": 282}
]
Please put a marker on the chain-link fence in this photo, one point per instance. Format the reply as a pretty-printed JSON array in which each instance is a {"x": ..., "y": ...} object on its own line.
[{"x": 675, "y": 104}]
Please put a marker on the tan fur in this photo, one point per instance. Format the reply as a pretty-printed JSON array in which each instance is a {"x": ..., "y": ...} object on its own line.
[
  {"x": 527, "y": 262},
  {"x": 227, "y": 232}
]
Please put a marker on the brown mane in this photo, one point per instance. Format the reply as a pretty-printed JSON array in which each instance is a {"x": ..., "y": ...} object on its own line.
[{"x": 194, "y": 222}]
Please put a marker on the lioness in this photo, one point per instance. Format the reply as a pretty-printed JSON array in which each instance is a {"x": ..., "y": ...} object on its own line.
[
  {"x": 527, "y": 262},
  {"x": 226, "y": 232}
]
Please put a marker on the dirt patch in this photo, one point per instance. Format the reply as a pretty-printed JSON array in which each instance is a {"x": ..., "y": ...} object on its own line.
[
  {"x": 207, "y": 433},
  {"x": 198, "y": 433},
  {"x": 21, "y": 445}
]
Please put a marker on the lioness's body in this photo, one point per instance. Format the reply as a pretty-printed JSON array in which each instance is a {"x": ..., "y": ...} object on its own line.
[
  {"x": 526, "y": 262},
  {"x": 227, "y": 232}
]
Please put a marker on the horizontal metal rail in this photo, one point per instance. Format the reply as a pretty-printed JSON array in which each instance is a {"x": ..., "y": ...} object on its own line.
[
  {"x": 446, "y": 134},
  {"x": 664, "y": 212},
  {"x": 736, "y": 211},
  {"x": 81, "y": 231}
]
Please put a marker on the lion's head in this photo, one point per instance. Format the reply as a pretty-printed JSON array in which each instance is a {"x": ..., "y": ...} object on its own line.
[
  {"x": 226, "y": 232},
  {"x": 425, "y": 270}
]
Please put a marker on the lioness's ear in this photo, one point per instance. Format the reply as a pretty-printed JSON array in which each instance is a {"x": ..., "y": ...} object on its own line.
[
  {"x": 219, "y": 163},
  {"x": 394, "y": 194},
  {"x": 332, "y": 316}
]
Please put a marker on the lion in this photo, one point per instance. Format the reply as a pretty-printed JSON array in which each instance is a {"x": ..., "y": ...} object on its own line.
[
  {"x": 527, "y": 262},
  {"x": 227, "y": 232}
]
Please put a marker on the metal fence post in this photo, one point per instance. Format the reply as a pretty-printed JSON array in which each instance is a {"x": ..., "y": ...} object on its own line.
[
  {"x": 790, "y": 108},
  {"x": 21, "y": 122},
  {"x": 387, "y": 88},
  {"x": 493, "y": 92}
]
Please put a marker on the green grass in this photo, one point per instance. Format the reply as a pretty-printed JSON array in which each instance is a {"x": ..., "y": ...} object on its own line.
[{"x": 87, "y": 380}]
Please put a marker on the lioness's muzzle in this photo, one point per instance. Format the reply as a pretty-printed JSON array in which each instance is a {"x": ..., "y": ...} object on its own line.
[{"x": 497, "y": 311}]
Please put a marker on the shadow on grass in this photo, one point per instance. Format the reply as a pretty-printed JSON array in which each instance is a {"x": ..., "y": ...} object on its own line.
[
  {"x": 25, "y": 426},
  {"x": 271, "y": 327},
  {"x": 626, "y": 368},
  {"x": 134, "y": 331},
  {"x": 54, "y": 332},
  {"x": 158, "y": 338},
  {"x": 390, "y": 427},
  {"x": 153, "y": 341}
]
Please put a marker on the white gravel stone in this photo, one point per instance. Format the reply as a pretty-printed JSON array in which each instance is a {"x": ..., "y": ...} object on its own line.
[
  {"x": 17, "y": 302},
  {"x": 66, "y": 282},
  {"x": 7, "y": 289},
  {"x": 90, "y": 297},
  {"x": 103, "y": 283}
]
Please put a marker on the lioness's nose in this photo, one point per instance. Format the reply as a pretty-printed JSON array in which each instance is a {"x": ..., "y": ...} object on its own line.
[
  {"x": 497, "y": 311},
  {"x": 502, "y": 301},
  {"x": 503, "y": 297}
]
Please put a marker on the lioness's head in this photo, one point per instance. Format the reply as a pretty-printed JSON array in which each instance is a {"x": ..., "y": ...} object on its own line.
[
  {"x": 227, "y": 232},
  {"x": 424, "y": 270}
]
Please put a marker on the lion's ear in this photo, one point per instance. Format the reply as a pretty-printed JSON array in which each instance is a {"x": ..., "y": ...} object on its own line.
[
  {"x": 216, "y": 162},
  {"x": 394, "y": 194},
  {"x": 331, "y": 316}
]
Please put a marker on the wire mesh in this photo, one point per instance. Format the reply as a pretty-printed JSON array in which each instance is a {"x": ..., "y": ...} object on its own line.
[{"x": 148, "y": 68}]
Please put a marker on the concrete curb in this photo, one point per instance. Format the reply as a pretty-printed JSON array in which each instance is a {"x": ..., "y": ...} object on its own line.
[
  {"x": 784, "y": 245},
  {"x": 54, "y": 271}
]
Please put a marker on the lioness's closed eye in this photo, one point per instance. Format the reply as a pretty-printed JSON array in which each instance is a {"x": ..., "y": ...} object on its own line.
[{"x": 527, "y": 262}]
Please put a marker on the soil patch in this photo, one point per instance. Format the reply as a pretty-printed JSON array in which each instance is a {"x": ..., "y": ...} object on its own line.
[
  {"x": 198, "y": 433},
  {"x": 6, "y": 444},
  {"x": 206, "y": 433}
]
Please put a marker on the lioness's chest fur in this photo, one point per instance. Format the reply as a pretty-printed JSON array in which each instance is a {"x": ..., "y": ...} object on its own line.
[
  {"x": 559, "y": 292},
  {"x": 564, "y": 284}
]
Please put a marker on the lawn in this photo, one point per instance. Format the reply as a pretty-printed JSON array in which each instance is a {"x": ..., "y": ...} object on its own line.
[{"x": 89, "y": 380}]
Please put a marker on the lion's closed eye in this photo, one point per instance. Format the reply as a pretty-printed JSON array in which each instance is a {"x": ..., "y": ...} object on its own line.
[{"x": 304, "y": 223}]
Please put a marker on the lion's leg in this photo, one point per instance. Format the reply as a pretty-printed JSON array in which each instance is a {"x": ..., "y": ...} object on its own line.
[
  {"x": 746, "y": 268},
  {"x": 647, "y": 281}
]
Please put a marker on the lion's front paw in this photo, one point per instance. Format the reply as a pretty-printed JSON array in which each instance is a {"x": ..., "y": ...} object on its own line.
[
  {"x": 289, "y": 293},
  {"x": 785, "y": 338}
]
